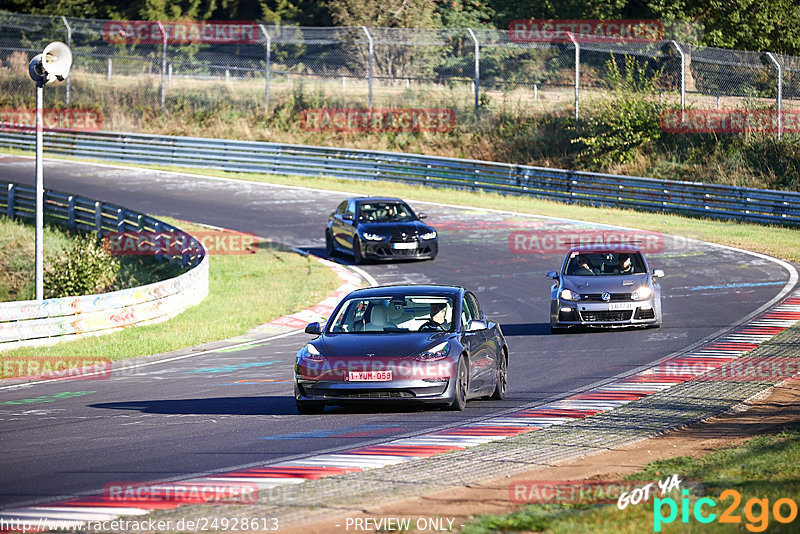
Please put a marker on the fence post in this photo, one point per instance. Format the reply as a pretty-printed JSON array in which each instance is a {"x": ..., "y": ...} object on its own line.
[
  {"x": 577, "y": 72},
  {"x": 267, "y": 66},
  {"x": 163, "y": 64},
  {"x": 779, "y": 98},
  {"x": 12, "y": 189},
  {"x": 69, "y": 44},
  {"x": 477, "y": 66},
  {"x": 369, "y": 39},
  {"x": 98, "y": 218},
  {"x": 71, "y": 212},
  {"x": 683, "y": 73},
  {"x": 108, "y": 71}
]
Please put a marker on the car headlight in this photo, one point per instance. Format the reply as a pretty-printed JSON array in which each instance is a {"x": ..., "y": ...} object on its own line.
[
  {"x": 567, "y": 294},
  {"x": 373, "y": 237},
  {"x": 310, "y": 352},
  {"x": 429, "y": 235},
  {"x": 643, "y": 293},
  {"x": 438, "y": 352}
]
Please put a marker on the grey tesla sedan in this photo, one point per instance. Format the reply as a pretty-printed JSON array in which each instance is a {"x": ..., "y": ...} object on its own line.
[{"x": 605, "y": 285}]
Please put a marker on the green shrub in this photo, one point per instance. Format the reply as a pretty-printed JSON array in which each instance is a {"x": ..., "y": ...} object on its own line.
[{"x": 85, "y": 269}]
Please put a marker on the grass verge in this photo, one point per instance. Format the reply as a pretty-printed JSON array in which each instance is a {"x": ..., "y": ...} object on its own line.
[
  {"x": 17, "y": 256},
  {"x": 244, "y": 291},
  {"x": 765, "y": 469}
]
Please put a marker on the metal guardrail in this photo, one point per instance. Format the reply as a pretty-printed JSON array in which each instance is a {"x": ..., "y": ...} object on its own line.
[
  {"x": 27, "y": 323},
  {"x": 594, "y": 189}
]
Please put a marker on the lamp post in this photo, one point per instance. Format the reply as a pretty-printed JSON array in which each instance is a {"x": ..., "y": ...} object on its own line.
[{"x": 51, "y": 65}]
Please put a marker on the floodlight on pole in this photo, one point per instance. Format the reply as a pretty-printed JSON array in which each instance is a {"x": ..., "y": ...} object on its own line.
[{"x": 53, "y": 64}]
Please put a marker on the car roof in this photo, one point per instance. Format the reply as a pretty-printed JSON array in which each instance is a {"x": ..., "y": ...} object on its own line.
[
  {"x": 408, "y": 289},
  {"x": 605, "y": 247},
  {"x": 377, "y": 199}
]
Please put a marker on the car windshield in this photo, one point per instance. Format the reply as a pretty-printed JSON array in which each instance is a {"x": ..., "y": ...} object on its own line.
[
  {"x": 604, "y": 264},
  {"x": 394, "y": 314},
  {"x": 384, "y": 212}
]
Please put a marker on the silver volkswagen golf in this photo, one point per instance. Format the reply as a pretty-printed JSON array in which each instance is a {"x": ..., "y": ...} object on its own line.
[{"x": 605, "y": 285}]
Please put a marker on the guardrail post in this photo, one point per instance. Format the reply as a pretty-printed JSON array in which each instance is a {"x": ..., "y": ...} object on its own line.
[
  {"x": 120, "y": 220},
  {"x": 163, "y": 65},
  {"x": 98, "y": 218},
  {"x": 267, "y": 65},
  {"x": 12, "y": 189},
  {"x": 779, "y": 98},
  {"x": 477, "y": 66},
  {"x": 369, "y": 80},
  {"x": 69, "y": 44},
  {"x": 71, "y": 212},
  {"x": 577, "y": 71},
  {"x": 683, "y": 72}
]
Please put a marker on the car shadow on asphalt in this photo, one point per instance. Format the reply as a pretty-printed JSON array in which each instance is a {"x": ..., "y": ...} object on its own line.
[{"x": 267, "y": 405}]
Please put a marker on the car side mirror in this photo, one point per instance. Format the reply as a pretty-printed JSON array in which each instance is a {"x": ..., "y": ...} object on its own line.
[
  {"x": 347, "y": 216},
  {"x": 476, "y": 325},
  {"x": 422, "y": 215},
  {"x": 658, "y": 273},
  {"x": 552, "y": 274},
  {"x": 313, "y": 328}
]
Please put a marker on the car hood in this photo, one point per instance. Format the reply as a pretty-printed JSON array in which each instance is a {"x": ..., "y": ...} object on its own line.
[
  {"x": 395, "y": 228},
  {"x": 600, "y": 284},
  {"x": 361, "y": 345}
]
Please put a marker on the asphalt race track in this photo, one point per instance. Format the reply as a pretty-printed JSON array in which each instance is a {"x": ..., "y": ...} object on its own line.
[{"x": 217, "y": 411}]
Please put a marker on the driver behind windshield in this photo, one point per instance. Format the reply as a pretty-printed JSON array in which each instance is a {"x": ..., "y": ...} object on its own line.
[{"x": 438, "y": 318}]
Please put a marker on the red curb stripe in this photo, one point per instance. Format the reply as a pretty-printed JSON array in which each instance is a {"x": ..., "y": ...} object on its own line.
[
  {"x": 421, "y": 451},
  {"x": 558, "y": 412},
  {"x": 610, "y": 395},
  {"x": 311, "y": 472}
]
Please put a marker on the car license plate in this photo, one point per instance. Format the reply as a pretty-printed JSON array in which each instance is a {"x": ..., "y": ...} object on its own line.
[
  {"x": 620, "y": 306},
  {"x": 369, "y": 376},
  {"x": 404, "y": 246}
]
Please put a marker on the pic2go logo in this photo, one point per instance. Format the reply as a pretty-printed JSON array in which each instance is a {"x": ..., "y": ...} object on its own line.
[{"x": 756, "y": 511}]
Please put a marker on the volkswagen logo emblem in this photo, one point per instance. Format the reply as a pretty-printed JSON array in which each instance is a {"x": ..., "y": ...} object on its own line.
[{"x": 606, "y": 296}]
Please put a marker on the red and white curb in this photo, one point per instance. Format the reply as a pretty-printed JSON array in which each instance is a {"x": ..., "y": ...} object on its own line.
[{"x": 602, "y": 399}]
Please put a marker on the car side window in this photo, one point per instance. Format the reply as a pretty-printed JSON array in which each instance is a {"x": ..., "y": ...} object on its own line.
[
  {"x": 351, "y": 209},
  {"x": 466, "y": 313},
  {"x": 472, "y": 304},
  {"x": 341, "y": 208}
]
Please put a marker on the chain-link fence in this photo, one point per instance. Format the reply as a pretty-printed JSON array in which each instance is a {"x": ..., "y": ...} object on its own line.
[{"x": 126, "y": 67}]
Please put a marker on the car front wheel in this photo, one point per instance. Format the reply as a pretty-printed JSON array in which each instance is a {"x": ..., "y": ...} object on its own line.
[
  {"x": 329, "y": 244},
  {"x": 502, "y": 378},
  {"x": 460, "y": 393},
  {"x": 358, "y": 259}
]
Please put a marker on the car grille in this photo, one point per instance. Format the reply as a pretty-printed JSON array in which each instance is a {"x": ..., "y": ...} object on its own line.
[
  {"x": 606, "y": 316},
  {"x": 645, "y": 314},
  {"x": 409, "y": 238},
  {"x": 595, "y": 297},
  {"x": 358, "y": 394}
]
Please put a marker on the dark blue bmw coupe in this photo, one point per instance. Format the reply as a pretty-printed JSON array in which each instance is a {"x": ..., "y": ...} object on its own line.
[{"x": 379, "y": 228}]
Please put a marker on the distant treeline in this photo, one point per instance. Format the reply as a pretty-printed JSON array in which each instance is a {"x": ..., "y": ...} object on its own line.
[{"x": 767, "y": 25}]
